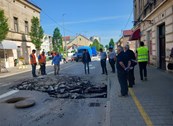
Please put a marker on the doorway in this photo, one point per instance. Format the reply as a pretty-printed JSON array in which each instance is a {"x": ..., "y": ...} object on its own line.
[{"x": 162, "y": 53}]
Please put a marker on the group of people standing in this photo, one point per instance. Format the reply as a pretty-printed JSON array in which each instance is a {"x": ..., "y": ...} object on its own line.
[
  {"x": 42, "y": 62},
  {"x": 125, "y": 60}
]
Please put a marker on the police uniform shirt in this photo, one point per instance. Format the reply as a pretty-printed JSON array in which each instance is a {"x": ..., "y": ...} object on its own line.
[
  {"x": 103, "y": 55},
  {"x": 112, "y": 55}
]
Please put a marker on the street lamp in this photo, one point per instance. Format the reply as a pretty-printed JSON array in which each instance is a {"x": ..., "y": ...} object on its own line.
[{"x": 64, "y": 36}]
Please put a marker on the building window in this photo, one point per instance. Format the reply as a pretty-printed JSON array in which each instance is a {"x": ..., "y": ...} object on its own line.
[
  {"x": 26, "y": 27},
  {"x": 16, "y": 24}
]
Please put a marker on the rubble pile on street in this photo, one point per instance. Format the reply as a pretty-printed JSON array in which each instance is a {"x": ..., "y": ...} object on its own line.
[{"x": 71, "y": 87}]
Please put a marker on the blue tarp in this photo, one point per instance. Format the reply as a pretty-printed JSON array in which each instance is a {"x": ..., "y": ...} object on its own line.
[{"x": 81, "y": 48}]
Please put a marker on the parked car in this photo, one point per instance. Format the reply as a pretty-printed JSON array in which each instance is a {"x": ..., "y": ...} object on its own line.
[{"x": 74, "y": 57}]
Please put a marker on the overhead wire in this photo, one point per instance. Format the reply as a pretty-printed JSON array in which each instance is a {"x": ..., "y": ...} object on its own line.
[{"x": 54, "y": 20}]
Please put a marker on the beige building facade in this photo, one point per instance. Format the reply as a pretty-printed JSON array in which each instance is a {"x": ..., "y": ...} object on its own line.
[
  {"x": 155, "y": 20},
  {"x": 17, "y": 44},
  {"x": 79, "y": 40}
]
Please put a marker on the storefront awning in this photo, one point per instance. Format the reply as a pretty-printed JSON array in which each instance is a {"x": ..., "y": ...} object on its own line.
[
  {"x": 136, "y": 35},
  {"x": 8, "y": 45}
]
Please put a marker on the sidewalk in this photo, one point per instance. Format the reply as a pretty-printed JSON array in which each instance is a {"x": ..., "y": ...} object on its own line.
[
  {"x": 150, "y": 102},
  {"x": 19, "y": 69}
]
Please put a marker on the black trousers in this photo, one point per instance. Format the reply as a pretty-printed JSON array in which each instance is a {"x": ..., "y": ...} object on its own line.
[
  {"x": 43, "y": 68},
  {"x": 131, "y": 78},
  {"x": 86, "y": 65},
  {"x": 122, "y": 78},
  {"x": 143, "y": 69},
  {"x": 103, "y": 65},
  {"x": 112, "y": 64}
]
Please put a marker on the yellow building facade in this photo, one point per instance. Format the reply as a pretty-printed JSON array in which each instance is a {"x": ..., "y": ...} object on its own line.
[
  {"x": 17, "y": 43},
  {"x": 155, "y": 20}
]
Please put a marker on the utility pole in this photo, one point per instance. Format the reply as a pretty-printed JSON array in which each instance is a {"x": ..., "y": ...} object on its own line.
[{"x": 64, "y": 36}]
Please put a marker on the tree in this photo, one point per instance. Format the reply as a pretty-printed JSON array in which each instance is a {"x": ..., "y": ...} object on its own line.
[
  {"x": 107, "y": 47},
  {"x": 96, "y": 44},
  {"x": 3, "y": 26},
  {"x": 36, "y": 33},
  {"x": 111, "y": 43},
  {"x": 57, "y": 40}
]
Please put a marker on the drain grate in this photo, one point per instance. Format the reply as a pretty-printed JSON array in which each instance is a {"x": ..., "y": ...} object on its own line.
[{"x": 94, "y": 104}]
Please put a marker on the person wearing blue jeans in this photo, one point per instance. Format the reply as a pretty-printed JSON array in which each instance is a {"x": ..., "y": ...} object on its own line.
[{"x": 86, "y": 59}]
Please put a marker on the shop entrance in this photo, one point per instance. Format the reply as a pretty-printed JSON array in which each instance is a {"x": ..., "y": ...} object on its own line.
[{"x": 162, "y": 54}]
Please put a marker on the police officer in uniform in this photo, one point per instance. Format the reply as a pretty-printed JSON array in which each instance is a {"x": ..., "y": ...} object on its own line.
[
  {"x": 112, "y": 59},
  {"x": 103, "y": 57}
]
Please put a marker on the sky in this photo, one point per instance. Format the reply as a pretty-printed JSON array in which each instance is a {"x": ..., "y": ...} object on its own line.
[{"x": 103, "y": 18}]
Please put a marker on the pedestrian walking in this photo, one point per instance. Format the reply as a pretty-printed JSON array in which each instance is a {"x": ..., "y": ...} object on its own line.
[
  {"x": 112, "y": 58},
  {"x": 86, "y": 59},
  {"x": 33, "y": 63},
  {"x": 131, "y": 55},
  {"x": 56, "y": 62},
  {"x": 42, "y": 62},
  {"x": 142, "y": 56},
  {"x": 103, "y": 57},
  {"x": 123, "y": 65}
]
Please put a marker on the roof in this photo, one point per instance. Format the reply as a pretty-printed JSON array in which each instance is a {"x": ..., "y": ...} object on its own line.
[
  {"x": 127, "y": 32},
  {"x": 66, "y": 38},
  {"x": 33, "y": 4}
]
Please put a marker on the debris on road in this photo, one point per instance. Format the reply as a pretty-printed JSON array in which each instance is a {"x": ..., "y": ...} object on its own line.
[{"x": 71, "y": 87}]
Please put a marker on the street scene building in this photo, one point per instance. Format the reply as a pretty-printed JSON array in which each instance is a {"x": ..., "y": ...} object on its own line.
[
  {"x": 74, "y": 42},
  {"x": 17, "y": 44},
  {"x": 77, "y": 80},
  {"x": 47, "y": 43},
  {"x": 125, "y": 40},
  {"x": 95, "y": 38},
  {"x": 154, "y": 20}
]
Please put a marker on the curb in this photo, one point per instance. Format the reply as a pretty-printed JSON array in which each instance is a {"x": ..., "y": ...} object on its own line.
[{"x": 24, "y": 71}]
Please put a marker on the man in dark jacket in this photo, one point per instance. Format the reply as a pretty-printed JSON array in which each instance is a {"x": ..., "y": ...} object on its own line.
[
  {"x": 131, "y": 55},
  {"x": 123, "y": 65},
  {"x": 86, "y": 59}
]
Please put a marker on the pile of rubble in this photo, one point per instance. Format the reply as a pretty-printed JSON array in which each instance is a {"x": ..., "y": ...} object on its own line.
[{"x": 72, "y": 87}]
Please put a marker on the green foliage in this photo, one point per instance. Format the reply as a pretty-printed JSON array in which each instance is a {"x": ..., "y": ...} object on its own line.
[
  {"x": 107, "y": 47},
  {"x": 96, "y": 44},
  {"x": 36, "y": 33},
  {"x": 112, "y": 43},
  {"x": 57, "y": 41},
  {"x": 3, "y": 26}
]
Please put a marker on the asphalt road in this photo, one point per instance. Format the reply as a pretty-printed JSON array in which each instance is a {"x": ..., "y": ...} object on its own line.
[{"x": 56, "y": 112}]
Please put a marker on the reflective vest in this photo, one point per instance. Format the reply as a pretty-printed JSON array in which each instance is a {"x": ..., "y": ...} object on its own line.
[
  {"x": 42, "y": 58},
  {"x": 32, "y": 59},
  {"x": 142, "y": 54}
]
